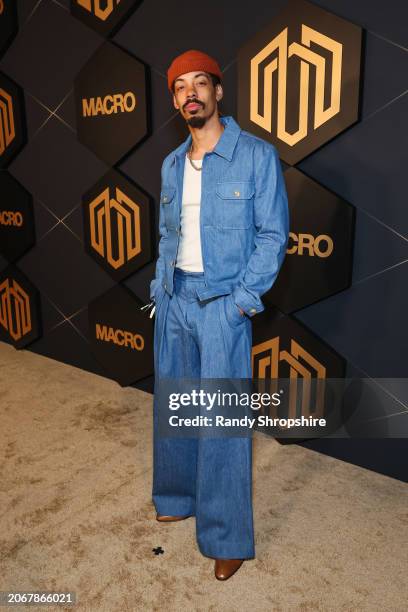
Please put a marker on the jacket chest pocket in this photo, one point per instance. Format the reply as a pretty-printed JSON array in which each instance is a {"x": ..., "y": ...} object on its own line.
[
  {"x": 168, "y": 201},
  {"x": 234, "y": 204}
]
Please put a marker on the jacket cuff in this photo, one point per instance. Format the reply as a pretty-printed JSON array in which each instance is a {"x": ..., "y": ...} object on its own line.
[{"x": 250, "y": 305}]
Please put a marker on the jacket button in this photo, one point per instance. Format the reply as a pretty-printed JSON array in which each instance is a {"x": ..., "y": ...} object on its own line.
[
  {"x": 165, "y": 285},
  {"x": 237, "y": 193},
  {"x": 165, "y": 199},
  {"x": 253, "y": 310}
]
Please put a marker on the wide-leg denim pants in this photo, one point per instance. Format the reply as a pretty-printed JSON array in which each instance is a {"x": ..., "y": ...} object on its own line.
[{"x": 210, "y": 478}]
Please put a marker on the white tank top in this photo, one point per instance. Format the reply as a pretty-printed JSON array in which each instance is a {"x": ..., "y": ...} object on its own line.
[{"x": 189, "y": 248}]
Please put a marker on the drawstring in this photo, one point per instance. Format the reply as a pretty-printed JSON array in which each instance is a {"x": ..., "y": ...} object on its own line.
[{"x": 149, "y": 305}]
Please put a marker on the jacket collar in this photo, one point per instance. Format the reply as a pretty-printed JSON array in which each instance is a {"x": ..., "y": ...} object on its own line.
[{"x": 225, "y": 145}]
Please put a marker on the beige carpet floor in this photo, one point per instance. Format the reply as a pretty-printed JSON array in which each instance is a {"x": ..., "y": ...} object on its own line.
[{"x": 76, "y": 512}]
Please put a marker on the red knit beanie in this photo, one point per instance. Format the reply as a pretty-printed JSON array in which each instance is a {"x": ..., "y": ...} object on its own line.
[{"x": 189, "y": 61}]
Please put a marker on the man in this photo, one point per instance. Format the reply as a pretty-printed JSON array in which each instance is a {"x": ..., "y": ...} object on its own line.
[{"x": 224, "y": 227}]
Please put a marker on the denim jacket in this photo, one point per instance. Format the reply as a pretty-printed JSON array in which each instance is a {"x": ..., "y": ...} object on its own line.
[{"x": 244, "y": 218}]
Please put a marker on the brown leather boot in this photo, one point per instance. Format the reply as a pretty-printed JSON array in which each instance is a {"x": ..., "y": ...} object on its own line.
[
  {"x": 225, "y": 568},
  {"x": 169, "y": 519}
]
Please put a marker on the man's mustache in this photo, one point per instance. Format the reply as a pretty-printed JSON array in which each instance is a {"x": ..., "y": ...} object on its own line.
[{"x": 192, "y": 102}]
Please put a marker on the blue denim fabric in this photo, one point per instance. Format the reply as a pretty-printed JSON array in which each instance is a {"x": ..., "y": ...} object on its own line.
[
  {"x": 244, "y": 218},
  {"x": 210, "y": 478}
]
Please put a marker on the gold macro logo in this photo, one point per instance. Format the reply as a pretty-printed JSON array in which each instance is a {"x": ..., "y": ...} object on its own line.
[
  {"x": 280, "y": 65},
  {"x": 10, "y": 217},
  {"x": 102, "y": 9},
  {"x": 103, "y": 212},
  {"x": 112, "y": 103},
  {"x": 15, "y": 314},
  {"x": 321, "y": 246},
  {"x": 120, "y": 337},
  {"x": 268, "y": 357},
  {"x": 7, "y": 126}
]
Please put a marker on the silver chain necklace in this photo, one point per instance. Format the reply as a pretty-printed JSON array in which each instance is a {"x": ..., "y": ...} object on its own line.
[
  {"x": 199, "y": 168},
  {"x": 191, "y": 161}
]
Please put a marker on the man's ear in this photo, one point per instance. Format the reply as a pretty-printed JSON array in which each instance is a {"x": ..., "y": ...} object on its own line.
[
  {"x": 175, "y": 103},
  {"x": 218, "y": 92}
]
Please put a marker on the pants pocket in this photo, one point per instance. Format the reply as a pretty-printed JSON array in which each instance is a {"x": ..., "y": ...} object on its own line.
[{"x": 232, "y": 314}]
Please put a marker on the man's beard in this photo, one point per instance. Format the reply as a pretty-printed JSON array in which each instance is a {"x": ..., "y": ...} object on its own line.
[{"x": 196, "y": 122}]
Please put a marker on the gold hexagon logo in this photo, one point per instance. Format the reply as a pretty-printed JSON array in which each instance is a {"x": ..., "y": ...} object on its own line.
[
  {"x": 268, "y": 356},
  {"x": 121, "y": 213},
  {"x": 299, "y": 79},
  {"x": 15, "y": 312},
  {"x": 101, "y": 9},
  {"x": 7, "y": 125}
]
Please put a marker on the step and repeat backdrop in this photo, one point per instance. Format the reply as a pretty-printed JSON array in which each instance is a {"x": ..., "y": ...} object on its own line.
[{"x": 86, "y": 121}]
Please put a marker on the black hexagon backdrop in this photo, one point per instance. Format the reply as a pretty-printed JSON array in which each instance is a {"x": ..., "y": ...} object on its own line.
[
  {"x": 110, "y": 98},
  {"x": 87, "y": 122},
  {"x": 299, "y": 79}
]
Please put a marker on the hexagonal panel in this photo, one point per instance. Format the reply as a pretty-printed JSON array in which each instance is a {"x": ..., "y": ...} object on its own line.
[
  {"x": 8, "y": 23},
  {"x": 318, "y": 260},
  {"x": 110, "y": 103},
  {"x": 299, "y": 79},
  {"x": 118, "y": 225},
  {"x": 121, "y": 335},
  {"x": 104, "y": 16},
  {"x": 20, "y": 311},
  {"x": 13, "y": 129},
  {"x": 310, "y": 372},
  {"x": 17, "y": 231}
]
